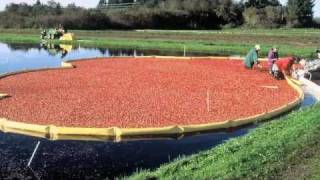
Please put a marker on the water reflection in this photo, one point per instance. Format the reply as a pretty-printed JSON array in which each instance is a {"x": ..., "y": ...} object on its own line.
[
  {"x": 15, "y": 57},
  {"x": 54, "y": 49},
  {"x": 20, "y": 47}
]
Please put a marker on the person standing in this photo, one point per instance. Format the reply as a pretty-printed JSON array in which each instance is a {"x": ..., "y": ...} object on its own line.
[
  {"x": 252, "y": 58},
  {"x": 273, "y": 56}
]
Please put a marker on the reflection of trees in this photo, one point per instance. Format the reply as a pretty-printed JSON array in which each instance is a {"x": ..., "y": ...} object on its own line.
[
  {"x": 124, "y": 52},
  {"x": 55, "y": 49},
  {"x": 119, "y": 52},
  {"x": 103, "y": 51},
  {"x": 64, "y": 49},
  {"x": 22, "y": 47}
]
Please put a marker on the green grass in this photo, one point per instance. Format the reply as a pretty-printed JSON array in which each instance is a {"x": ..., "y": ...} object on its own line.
[
  {"x": 307, "y": 168},
  {"x": 246, "y": 31},
  {"x": 314, "y": 167},
  {"x": 300, "y": 42},
  {"x": 265, "y": 153}
]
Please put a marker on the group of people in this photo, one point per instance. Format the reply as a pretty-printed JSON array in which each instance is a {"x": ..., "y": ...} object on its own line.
[{"x": 278, "y": 67}]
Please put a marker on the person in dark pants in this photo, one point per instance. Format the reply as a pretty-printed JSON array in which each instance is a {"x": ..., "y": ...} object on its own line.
[{"x": 273, "y": 56}]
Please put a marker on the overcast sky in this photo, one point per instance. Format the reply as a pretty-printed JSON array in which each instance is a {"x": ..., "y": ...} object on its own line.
[{"x": 93, "y": 3}]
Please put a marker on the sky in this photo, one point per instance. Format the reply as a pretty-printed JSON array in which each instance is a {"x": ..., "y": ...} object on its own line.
[{"x": 93, "y": 3}]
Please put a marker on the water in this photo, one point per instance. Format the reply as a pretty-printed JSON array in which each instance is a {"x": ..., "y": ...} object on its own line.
[
  {"x": 88, "y": 160},
  {"x": 96, "y": 160},
  {"x": 16, "y": 57},
  {"x": 308, "y": 100},
  {"x": 29, "y": 56}
]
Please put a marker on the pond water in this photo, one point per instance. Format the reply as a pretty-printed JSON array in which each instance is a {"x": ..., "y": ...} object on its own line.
[
  {"x": 89, "y": 160},
  {"x": 34, "y": 56},
  {"x": 96, "y": 160}
]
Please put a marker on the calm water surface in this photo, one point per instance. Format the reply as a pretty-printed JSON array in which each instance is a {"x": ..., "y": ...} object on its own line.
[{"x": 16, "y": 57}]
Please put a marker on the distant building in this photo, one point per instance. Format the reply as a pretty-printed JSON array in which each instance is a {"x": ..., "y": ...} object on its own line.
[
  {"x": 131, "y": 1},
  {"x": 122, "y": 3}
]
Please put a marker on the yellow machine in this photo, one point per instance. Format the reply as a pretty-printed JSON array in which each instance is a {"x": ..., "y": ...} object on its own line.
[
  {"x": 67, "y": 37},
  {"x": 60, "y": 34}
]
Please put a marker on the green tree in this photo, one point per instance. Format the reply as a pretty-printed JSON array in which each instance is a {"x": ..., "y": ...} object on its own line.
[
  {"x": 299, "y": 13},
  {"x": 270, "y": 16},
  {"x": 102, "y": 4},
  {"x": 261, "y": 3},
  {"x": 38, "y": 3},
  {"x": 72, "y": 6},
  {"x": 59, "y": 9},
  {"x": 52, "y": 4},
  {"x": 263, "y": 13}
]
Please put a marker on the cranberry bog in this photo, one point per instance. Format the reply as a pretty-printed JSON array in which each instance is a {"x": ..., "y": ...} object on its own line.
[
  {"x": 125, "y": 98},
  {"x": 87, "y": 159}
]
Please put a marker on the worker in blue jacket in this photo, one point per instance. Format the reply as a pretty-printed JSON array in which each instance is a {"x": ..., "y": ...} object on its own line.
[{"x": 252, "y": 58}]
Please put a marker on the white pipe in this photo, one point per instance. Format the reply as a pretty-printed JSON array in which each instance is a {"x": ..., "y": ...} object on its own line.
[
  {"x": 34, "y": 152},
  {"x": 311, "y": 87}
]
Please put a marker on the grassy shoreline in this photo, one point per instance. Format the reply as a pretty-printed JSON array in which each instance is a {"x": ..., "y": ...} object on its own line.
[
  {"x": 265, "y": 153},
  {"x": 210, "y": 42}
]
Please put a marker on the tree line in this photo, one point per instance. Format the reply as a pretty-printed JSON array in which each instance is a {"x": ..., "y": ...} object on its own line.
[{"x": 162, "y": 14}]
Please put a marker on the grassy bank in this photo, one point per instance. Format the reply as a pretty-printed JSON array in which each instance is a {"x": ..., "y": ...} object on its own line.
[
  {"x": 269, "y": 152},
  {"x": 308, "y": 168},
  {"x": 301, "y": 42}
]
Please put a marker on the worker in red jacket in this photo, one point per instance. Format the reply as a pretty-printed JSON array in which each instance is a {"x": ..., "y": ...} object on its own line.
[{"x": 285, "y": 66}]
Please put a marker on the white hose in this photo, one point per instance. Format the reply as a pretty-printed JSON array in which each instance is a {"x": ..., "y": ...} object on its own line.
[{"x": 34, "y": 152}]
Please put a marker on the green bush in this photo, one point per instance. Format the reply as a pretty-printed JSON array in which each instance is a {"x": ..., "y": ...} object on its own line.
[
  {"x": 161, "y": 14},
  {"x": 167, "y": 14},
  {"x": 269, "y": 16}
]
